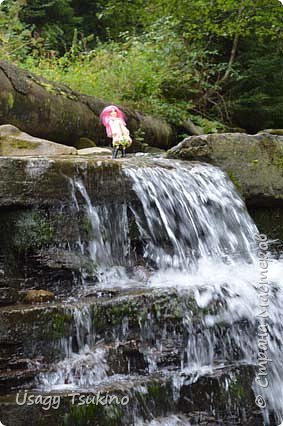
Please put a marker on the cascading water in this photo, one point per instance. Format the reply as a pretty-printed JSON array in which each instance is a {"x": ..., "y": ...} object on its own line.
[
  {"x": 190, "y": 214},
  {"x": 197, "y": 236},
  {"x": 184, "y": 215},
  {"x": 83, "y": 366},
  {"x": 109, "y": 245},
  {"x": 200, "y": 237}
]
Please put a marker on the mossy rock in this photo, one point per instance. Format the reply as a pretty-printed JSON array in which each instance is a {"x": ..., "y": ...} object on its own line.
[{"x": 32, "y": 232}]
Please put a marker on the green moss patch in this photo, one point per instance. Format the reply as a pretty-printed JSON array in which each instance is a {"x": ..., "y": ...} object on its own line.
[
  {"x": 22, "y": 144},
  {"x": 10, "y": 100},
  {"x": 32, "y": 231}
]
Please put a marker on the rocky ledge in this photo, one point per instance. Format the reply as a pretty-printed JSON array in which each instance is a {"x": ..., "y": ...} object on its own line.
[
  {"x": 253, "y": 162},
  {"x": 144, "y": 339}
]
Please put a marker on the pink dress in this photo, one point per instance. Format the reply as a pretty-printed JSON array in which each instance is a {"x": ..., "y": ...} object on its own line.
[{"x": 119, "y": 133}]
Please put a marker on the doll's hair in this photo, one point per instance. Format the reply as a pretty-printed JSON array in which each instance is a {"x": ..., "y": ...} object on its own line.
[{"x": 105, "y": 116}]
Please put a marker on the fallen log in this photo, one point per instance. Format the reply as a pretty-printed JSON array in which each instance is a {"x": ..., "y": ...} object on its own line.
[{"x": 55, "y": 112}]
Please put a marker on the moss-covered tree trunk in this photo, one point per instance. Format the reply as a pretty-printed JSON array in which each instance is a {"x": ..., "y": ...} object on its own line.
[{"x": 53, "y": 111}]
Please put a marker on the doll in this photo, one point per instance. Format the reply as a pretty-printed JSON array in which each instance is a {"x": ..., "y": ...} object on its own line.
[{"x": 114, "y": 121}]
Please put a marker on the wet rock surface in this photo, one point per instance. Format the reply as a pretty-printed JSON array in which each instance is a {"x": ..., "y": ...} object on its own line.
[
  {"x": 47, "y": 181},
  {"x": 147, "y": 398},
  {"x": 152, "y": 340},
  {"x": 44, "y": 221}
]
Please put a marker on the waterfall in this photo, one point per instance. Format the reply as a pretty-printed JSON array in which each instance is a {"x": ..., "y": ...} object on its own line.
[
  {"x": 199, "y": 237},
  {"x": 109, "y": 245},
  {"x": 184, "y": 215},
  {"x": 109, "y": 242},
  {"x": 196, "y": 236},
  {"x": 189, "y": 214}
]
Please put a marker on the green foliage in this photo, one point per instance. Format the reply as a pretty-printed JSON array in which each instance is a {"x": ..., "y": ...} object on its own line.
[
  {"x": 139, "y": 135},
  {"x": 213, "y": 62},
  {"x": 203, "y": 20},
  {"x": 138, "y": 72},
  {"x": 54, "y": 21},
  {"x": 215, "y": 31},
  {"x": 113, "y": 17},
  {"x": 209, "y": 126},
  {"x": 15, "y": 36},
  {"x": 256, "y": 98},
  {"x": 91, "y": 14}
]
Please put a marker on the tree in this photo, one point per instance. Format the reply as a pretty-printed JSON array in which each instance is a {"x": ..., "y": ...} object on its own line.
[
  {"x": 53, "y": 20},
  {"x": 256, "y": 99},
  {"x": 215, "y": 31},
  {"x": 15, "y": 36}
]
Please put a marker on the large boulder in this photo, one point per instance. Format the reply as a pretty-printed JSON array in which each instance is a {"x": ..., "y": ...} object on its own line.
[
  {"x": 14, "y": 142},
  {"x": 253, "y": 162}
]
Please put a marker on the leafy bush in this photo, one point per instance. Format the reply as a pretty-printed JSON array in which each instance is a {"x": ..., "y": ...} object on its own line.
[{"x": 16, "y": 40}]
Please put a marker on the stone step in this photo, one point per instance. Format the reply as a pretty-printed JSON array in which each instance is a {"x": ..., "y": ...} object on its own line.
[
  {"x": 128, "y": 357},
  {"x": 223, "y": 397},
  {"x": 140, "y": 330},
  {"x": 41, "y": 332},
  {"x": 16, "y": 379},
  {"x": 141, "y": 315}
]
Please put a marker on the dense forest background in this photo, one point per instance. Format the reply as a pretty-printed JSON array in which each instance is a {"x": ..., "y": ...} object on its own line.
[{"x": 215, "y": 62}]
